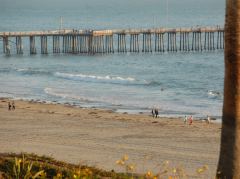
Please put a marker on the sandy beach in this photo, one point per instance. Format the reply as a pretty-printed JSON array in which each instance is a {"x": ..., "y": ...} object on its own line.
[{"x": 100, "y": 137}]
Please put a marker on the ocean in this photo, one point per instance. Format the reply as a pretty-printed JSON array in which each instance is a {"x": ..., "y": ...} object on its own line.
[{"x": 177, "y": 83}]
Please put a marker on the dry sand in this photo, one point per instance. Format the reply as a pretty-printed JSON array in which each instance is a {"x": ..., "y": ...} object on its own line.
[{"x": 100, "y": 137}]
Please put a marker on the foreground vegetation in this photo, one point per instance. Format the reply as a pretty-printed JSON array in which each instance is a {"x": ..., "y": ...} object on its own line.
[{"x": 31, "y": 166}]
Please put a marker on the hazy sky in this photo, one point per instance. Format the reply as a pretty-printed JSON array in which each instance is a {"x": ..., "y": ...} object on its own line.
[
  {"x": 76, "y": 3},
  {"x": 45, "y": 14}
]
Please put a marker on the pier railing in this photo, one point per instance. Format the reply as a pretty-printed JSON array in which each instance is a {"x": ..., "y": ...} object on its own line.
[{"x": 111, "y": 41}]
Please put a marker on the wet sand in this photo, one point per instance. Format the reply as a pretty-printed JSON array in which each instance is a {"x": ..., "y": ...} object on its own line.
[{"x": 100, "y": 137}]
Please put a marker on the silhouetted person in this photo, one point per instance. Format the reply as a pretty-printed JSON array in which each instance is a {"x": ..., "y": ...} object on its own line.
[
  {"x": 13, "y": 106},
  {"x": 9, "y": 106},
  {"x": 156, "y": 113},
  {"x": 153, "y": 113}
]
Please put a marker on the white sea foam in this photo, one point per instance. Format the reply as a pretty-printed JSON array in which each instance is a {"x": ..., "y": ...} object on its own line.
[
  {"x": 63, "y": 95},
  {"x": 94, "y": 77},
  {"x": 32, "y": 71},
  {"x": 21, "y": 69},
  {"x": 51, "y": 92},
  {"x": 214, "y": 93}
]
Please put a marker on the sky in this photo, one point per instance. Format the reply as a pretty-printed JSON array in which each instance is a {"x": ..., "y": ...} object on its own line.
[
  {"x": 77, "y": 3},
  {"x": 109, "y": 13}
]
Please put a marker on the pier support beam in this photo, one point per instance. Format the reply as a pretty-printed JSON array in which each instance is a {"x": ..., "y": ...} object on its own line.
[
  {"x": 122, "y": 43},
  {"x": 6, "y": 46},
  {"x": 81, "y": 44},
  {"x": 159, "y": 42},
  {"x": 84, "y": 43},
  {"x": 184, "y": 41},
  {"x": 134, "y": 43},
  {"x": 56, "y": 44},
  {"x": 90, "y": 44},
  {"x": 147, "y": 42},
  {"x": 63, "y": 44},
  {"x": 109, "y": 44},
  {"x": 19, "y": 45},
  {"x": 73, "y": 44},
  {"x": 196, "y": 41},
  {"x": 172, "y": 42},
  {"x": 44, "y": 49},
  {"x": 32, "y": 45},
  {"x": 209, "y": 41},
  {"x": 98, "y": 44},
  {"x": 101, "y": 41}
]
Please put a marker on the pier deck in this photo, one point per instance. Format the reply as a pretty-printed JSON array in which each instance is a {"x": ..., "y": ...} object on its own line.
[{"x": 117, "y": 40}]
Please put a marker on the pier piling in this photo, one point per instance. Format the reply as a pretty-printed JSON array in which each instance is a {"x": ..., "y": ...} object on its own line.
[{"x": 32, "y": 45}]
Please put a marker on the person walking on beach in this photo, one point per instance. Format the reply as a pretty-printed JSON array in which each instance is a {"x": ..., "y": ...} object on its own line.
[
  {"x": 9, "y": 106},
  {"x": 13, "y": 106},
  {"x": 153, "y": 113},
  {"x": 208, "y": 119},
  {"x": 190, "y": 120},
  {"x": 185, "y": 120},
  {"x": 156, "y": 112}
]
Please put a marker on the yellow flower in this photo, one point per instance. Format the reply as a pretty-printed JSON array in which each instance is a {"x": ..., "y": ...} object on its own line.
[
  {"x": 19, "y": 160},
  {"x": 120, "y": 162},
  {"x": 125, "y": 158},
  {"x": 149, "y": 174},
  {"x": 200, "y": 170},
  {"x": 87, "y": 171},
  {"x": 78, "y": 172},
  {"x": 130, "y": 167},
  {"x": 74, "y": 176}
]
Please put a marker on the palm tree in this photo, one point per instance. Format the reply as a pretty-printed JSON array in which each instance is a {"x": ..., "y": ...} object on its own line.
[{"x": 229, "y": 161}]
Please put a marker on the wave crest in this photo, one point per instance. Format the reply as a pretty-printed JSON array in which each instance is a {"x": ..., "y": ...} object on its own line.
[
  {"x": 51, "y": 92},
  {"x": 83, "y": 77},
  {"x": 154, "y": 83},
  {"x": 31, "y": 71}
]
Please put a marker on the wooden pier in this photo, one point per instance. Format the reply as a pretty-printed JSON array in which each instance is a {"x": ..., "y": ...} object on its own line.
[{"x": 111, "y": 41}]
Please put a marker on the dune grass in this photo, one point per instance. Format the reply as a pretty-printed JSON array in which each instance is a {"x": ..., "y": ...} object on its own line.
[
  {"x": 32, "y": 166},
  {"x": 26, "y": 166}
]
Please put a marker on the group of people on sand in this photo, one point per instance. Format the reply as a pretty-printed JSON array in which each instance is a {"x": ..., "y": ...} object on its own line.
[
  {"x": 11, "y": 106},
  {"x": 155, "y": 112},
  {"x": 188, "y": 120}
]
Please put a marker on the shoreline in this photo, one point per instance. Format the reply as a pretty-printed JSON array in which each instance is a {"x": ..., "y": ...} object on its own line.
[
  {"x": 215, "y": 119},
  {"x": 100, "y": 137}
]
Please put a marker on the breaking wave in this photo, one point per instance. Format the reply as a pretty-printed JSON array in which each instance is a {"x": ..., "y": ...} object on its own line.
[{"x": 94, "y": 78}]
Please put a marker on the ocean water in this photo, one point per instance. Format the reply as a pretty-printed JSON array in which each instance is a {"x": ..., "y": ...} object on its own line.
[{"x": 176, "y": 83}]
